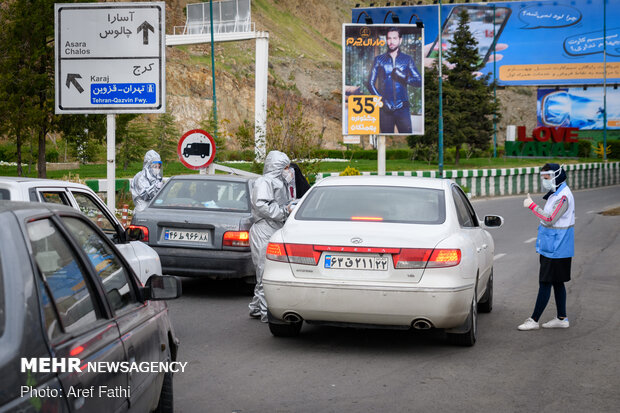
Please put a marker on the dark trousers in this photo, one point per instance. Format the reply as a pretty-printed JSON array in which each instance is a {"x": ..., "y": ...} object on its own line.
[
  {"x": 401, "y": 118},
  {"x": 544, "y": 292}
]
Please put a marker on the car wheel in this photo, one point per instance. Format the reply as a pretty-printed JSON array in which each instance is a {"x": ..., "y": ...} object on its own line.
[
  {"x": 202, "y": 155},
  {"x": 166, "y": 404},
  {"x": 486, "y": 303},
  {"x": 468, "y": 338},
  {"x": 285, "y": 330}
]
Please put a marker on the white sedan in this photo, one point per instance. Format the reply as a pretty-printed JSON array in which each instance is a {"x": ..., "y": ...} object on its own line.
[{"x": 378, "y": 251}]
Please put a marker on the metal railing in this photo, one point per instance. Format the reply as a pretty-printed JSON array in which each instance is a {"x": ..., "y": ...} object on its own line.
[{"x": 232, "y": 26}]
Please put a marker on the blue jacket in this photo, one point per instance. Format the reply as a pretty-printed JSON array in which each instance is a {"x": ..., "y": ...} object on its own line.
[
  {"x": 389, "y": 79},
  {"x": 556, "y": 233}
]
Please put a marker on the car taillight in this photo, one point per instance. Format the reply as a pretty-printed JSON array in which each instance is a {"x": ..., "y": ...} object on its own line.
[
  {"x": 426, "y": 258},
  {"x": 276, "y": 252},
  {"x": 138, "y": 233},
  {"x": 293, "y": 253},
  {"x": 444, "y": 258},
  {"x": 236, "y": 239},
  {"x": 302, "y": 254}
]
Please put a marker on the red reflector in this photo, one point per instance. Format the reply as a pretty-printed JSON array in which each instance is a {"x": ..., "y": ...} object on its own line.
[
  {"x": 302, "y": 254},
  {"x": 370, "y": 250},
  {"x": 412, "y": 258},
  {"x": 366, "y": 219},
  {"x": 236, "y": 239},
  {"x": 77, "y": 350},
  {"x": 138, "y": 233},
  {"x": 276, "y": 252}
]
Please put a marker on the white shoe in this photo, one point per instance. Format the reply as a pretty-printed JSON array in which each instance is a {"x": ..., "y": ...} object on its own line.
[
  {"x": 529, "y": 324},
  {"x": 557, "y": 323}
]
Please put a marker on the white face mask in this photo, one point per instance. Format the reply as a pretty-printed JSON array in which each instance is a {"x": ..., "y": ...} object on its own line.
[
  {"x": 288, "y": 175},
  {"x": 549, "y": 184}
]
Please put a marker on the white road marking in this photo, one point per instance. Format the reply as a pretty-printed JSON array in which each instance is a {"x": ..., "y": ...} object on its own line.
[
  {"x": 498, "y": 256},
  {"x": 530, "y": 240}
]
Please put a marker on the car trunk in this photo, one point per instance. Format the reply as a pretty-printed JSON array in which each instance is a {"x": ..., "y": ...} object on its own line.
[
  {"x": 361, "y": 251},
  {"x": 191, "y": 228}
]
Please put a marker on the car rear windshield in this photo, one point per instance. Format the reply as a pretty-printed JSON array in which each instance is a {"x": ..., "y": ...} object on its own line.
[
  {"x": 374, "y": 204},
  {"x": 204, "y": 194}
]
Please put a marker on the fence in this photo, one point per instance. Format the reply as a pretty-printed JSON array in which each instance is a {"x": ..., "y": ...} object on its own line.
[{"x": 512, "y": 181}]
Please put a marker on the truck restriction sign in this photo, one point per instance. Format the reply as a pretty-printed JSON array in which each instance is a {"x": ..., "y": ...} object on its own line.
[{"x": 196, "y": 149}]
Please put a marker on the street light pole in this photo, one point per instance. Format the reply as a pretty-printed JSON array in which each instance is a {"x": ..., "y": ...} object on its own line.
[
  {"x": 213, "y": 71},
  {"x": 604, "y": 80},
  {"x": 440, "y": 144}
]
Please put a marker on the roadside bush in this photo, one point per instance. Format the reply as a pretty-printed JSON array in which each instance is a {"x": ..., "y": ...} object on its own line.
[
  {"x": 614, "y": 147},
  {"x": 585, "y": 148},
  {"x": 8, "y": 152},
  {"x": 51, "y": 155},
  {"x": 349, "y": 171}
]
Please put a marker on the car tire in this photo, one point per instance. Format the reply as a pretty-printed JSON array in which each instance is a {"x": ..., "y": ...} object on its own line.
[
  {"x": 285, "y": 330},
  {"x": 166, "y": 401},
  {"x": 468, "y": 338},
  {"x": 486, "y": 303}
]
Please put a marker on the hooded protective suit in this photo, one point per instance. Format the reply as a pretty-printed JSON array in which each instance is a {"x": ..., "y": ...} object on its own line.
[
  {"x": 148, "y": 181},
  {"x": 270, "y": 197}
]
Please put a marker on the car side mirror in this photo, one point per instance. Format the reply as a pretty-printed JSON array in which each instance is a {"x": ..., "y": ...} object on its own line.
[
  {"x": 493, "y": 221},
  {"x": 162, "y": 287}
]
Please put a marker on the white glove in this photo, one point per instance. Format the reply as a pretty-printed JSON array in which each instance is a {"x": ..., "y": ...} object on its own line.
[{"x": 527, "y": 202}]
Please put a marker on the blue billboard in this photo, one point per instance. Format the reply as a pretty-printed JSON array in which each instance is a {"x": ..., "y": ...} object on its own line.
[{"x": 557, "y": 42}]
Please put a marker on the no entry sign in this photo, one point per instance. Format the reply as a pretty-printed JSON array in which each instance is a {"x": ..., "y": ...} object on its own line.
[{"x": 196, "y": 149}]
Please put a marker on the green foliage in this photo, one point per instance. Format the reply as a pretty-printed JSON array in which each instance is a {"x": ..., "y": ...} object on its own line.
[
  {"x": 614, "y": 147},
  {"x": 349, "y": 171},
  {"x": 585, "y": 148},
  {"x": 244, "y": 135},
  {"x": 166, "y": 135},
  {"x": 468, "y": 103},
  {"x": 27, "y": 74},
  {"x": 210, "y": 126},
  {"x": 133, "y": 138},
  {"x": 290, "y": 132}
]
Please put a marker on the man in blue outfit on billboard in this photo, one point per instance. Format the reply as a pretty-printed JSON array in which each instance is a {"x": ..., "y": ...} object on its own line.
[{"x": 391, "y": 73}]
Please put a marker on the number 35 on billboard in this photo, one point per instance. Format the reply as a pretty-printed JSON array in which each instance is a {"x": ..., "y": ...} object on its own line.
[{"x": 363, "y": 114}]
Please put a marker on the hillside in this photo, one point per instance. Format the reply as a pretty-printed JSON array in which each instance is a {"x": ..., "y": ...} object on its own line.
[{"x": 304, "y": 65}]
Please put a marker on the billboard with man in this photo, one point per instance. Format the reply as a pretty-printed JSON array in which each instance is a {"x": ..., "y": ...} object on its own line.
[{"x": 383, "y": 80}]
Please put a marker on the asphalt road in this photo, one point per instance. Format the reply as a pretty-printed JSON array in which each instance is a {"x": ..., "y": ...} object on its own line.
[{"x": 235, "y": 365}]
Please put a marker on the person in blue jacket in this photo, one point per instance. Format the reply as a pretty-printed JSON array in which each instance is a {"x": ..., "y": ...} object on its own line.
[
  {"x": 555, "y": 244},
  {"x": 391, "y": 74}
]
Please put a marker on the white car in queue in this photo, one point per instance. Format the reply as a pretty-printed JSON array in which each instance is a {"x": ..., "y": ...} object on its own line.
[{"x": 382, "y": 251}]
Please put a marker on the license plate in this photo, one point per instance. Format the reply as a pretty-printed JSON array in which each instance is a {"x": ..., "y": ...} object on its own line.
[
  {"x": 345, "y": 262},
  {"x": 187, "y": 236}
]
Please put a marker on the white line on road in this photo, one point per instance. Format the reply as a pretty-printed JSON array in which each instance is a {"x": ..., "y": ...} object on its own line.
[
  {"x": 530, "y": 240},
  {"x": 498, "y": 256}
]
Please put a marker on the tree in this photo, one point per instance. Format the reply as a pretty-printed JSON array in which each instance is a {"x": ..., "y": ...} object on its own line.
[
  {"x": 27, "y": 73},
  {"x": 469, "y": 98},
  {"x": 166, "y": 135},
  {"x": 133, "y": 139}
]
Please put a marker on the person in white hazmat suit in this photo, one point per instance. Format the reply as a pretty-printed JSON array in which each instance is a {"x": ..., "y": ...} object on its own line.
[
  {"x": 270, "y": 208},
  {"x": 147, "y": 183}
]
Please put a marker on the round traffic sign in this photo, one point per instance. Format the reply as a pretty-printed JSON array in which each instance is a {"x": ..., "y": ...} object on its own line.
[{"x": 196, "y": 149}]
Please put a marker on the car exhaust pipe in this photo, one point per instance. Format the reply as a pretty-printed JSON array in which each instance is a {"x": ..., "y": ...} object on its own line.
[
  {"x": 292, "y": 318},
  {"x": 421, "y": 324}
]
